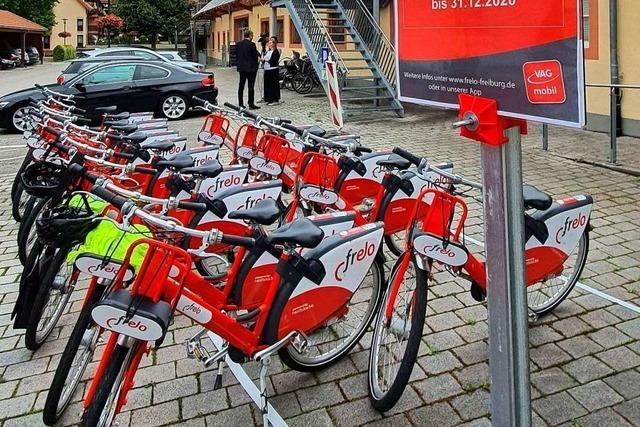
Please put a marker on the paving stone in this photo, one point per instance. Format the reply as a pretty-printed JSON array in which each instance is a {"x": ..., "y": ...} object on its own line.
[
  {"x": 355, "y": 386},
  {"x": 155, "y": 374},
  {"x": 480, "y": 422},
  {"x": 631, "y": 328},
  {"x": 240, "y": 416},
  {"x": 442, "y": 412},
  {"x": 443, "y": 340},
  {"x": 609, "y": 337},
  {"x": 204, "y": 403},
  {"x": 173, "y": 389},
  {"x": 625, "y": 383},
  {"x": 344, "y": 414},
  {"x": 587, "y": 369},
  {"x": 26, "y": 369},
  {"x": 342, "y": 369},
  {"x": 26, "y": 421},
  {"x": 440, "y": 305},
  {"x": 156, "y": 415},
  {"x": 603, "y": 417},
  {"x": 595, "y": 395},
  {"x": 620, "y": 358},
  {"x": 286, "y": 404},
  {"x": 579, "y": 346},
  {"x": 543, "y": 334},
  {"x": 444, "y": 321},
  {"x": 571, "y": 327},
  {"x": 472, "y": 353},
  {"x": 474, "y": 333},
  {"x": 630, "y": 410},
  {"x": 552, "y": 380},
  {"x": 474, "y": 376},
  {"x": 138, "y": 398},
  {"x": 399, "y": 420},
  {"x": 548, "y": 355},
  {"x": 473, "y": 405},
  {"x": 319, "y": 396},
  {"x": 438, "y": 363},
  {"x": 319, "y": 418},
  {"x": 292, "y": 381},
  {"x": 558, "y": 408},
  {"x": 20, "y": 405},
  {"x": 438, "y": 388},
  {"x": 7, "y": 389}
]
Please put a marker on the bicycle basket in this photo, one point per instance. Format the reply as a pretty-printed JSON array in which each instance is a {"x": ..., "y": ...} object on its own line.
[{"x": 42, "y": 179}]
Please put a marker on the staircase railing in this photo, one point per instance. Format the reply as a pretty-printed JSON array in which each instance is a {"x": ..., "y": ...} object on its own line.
[
  {"x": 382, "y": 50},
  {"x": 318, "y": 34}
]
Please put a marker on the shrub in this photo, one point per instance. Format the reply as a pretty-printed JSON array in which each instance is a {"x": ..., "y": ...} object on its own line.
[{"x": 64, "y": 52}]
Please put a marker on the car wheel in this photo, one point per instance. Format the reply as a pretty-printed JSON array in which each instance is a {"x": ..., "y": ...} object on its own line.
[
  {"x": 174, "y": 106},
  {"x": 20, "y": 118}
]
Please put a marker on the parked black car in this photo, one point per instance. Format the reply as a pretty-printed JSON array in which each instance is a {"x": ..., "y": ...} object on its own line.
[
  {"x": 131, "y": 86},
  {"x": 33, "y": 54},
  {"x": 8, "y": 59}
]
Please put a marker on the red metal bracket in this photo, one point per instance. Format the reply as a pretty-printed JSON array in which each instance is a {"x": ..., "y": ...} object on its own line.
[{"x": 480, "y": 120}]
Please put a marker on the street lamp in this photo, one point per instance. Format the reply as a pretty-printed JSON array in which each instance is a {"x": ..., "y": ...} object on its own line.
[{"x": 64, "y": 30}]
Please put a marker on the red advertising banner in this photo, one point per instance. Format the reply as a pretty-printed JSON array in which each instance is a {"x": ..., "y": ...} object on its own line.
[{"x": 526, "y": 54}]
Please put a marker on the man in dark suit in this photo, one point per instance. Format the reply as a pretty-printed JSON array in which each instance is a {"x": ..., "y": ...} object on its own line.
[{"x": 247, "y": 65}]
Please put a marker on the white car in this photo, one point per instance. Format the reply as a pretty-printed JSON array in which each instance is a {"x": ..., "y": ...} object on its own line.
[{"x": 145, "y": 54}]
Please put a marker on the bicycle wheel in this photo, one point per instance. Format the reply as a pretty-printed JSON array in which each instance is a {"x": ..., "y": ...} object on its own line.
[
  {"x": 544, "y": 296},
  {"x": 75, "y": 358},
  {"x": 21, "y": 204},
  {"x": 16, "y": 187},
  {"x": 395, "y": 342},
  {"x": 395, "y": 242},
  {"x": 306, "y": 86},
  {"x": 51, "y": 300},
  {"x": 102, "y": 408},
  {"x": 27, "y": 232},
  {"x": 334, "y": 340}
]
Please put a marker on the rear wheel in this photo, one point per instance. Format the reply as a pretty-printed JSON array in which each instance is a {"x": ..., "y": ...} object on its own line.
[
  {"x": 20, "y": 118},
  {"x": 102, "y": 408},
  {"x": 174, "y": 106},
  {"x": 395, "y": 343},
  {"x": 74, "y": 361},
  {"x": 546, "y": 295},
  {"x": 27, "y": 232}
]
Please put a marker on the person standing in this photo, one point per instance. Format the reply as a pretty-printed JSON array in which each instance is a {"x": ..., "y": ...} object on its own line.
[
  {"x": 247, "y": 66},
  {"x": 271, "y": 60}
]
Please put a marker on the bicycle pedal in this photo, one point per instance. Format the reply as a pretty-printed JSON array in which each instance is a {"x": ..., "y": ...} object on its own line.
[
  {"x": 366, "y": 206},
  {"x": 300, "y": 343},
  {"x": 195, "y": 350}
]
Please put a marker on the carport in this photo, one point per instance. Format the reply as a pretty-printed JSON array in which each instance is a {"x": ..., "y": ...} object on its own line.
[{"x": 17, "y": 31}]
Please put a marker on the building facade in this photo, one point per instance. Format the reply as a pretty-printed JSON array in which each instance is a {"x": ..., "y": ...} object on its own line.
[{"x": 72, "y": 16}]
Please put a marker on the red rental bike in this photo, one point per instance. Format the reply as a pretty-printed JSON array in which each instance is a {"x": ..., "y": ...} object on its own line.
[{"x": 557, "y": 243}]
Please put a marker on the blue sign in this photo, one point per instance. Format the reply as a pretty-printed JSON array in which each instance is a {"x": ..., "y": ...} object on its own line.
[{"x": 324, "y": 55}]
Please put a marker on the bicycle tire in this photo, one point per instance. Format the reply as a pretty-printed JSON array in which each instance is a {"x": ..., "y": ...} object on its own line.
[
  {"x": 385, "y": 401},
  {"x": 307, "y": 85},
  {"x": 59, "y": 396},
  {"x": 28, "y": 288},
  {"x": 17, "y": 180},
  {"x": 395, "y": 243},
  {"x": 561, "y": 295},
  {"x": 21, "y": 203},
  {"x": 290, "y": 357},
  {"x": 111, "y": 379},
  {"x": 27, "y": 229},
  {"x": 33, "y": 337}
]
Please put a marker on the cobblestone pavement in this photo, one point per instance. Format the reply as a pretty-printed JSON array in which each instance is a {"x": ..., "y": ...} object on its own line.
[{"x": 585, "y": 357}]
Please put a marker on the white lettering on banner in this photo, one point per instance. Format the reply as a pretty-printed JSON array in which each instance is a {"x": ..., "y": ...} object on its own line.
[
  {"x": 190, "y": 308},
  {"x": 432, "y": 247}
]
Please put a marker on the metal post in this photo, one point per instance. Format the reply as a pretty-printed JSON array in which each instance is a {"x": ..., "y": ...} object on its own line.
[
  {"x": 507, "y": 300},
  {"x": 24, "y": 49},
  {"x": 273, "y": 23},
  {"x": 615, "y": 79},
  {"x": 545, "y": 137}
]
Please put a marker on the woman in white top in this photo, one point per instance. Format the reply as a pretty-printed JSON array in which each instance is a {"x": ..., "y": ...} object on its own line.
[{"x": 271, "y": 59}]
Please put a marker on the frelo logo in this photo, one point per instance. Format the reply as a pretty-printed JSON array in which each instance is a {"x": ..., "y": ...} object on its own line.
[
  {"x": 251, "y": 202},
  {"x": 570, "y": 225},
  {"x": 352, "y": 257},
  {"x": 106, "y": 269},
  {"x": 219, "y": 183},
  {"x": 199, "y": 161},
  {"x": 111, "y": 322},
  {"x": 193, "y": 308},
  {"x": 439, "y": 249}
]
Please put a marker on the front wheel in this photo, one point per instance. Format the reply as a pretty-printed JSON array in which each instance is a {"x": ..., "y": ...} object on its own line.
[
  {"x": 102, "y": 408},
  {"x": 546, "y": 295},
  {"x": 174, "y": 106},
  {"x": 395, "y": 342}
]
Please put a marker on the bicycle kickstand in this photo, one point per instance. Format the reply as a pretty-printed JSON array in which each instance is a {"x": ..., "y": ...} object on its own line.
[{"x": 264, "y": 367}]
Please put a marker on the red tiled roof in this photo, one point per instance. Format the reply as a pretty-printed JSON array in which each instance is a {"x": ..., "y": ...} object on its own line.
[{"x": 11, "y": 22}]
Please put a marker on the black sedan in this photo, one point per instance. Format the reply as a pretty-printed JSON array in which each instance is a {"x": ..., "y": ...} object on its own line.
[{"x": 141, "y": 86}]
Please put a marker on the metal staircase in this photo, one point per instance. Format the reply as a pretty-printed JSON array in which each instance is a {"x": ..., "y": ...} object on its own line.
[{"x": 364, "y": 57}]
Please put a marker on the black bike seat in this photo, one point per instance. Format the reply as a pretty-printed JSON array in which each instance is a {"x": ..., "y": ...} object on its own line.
[
  {"x": 107, "y": 109},
  {"x": 158, "y": 144},
  {"x": 265, "y": 213},
  {"x": 177, "y": 162},
  {"x": 301, "y": 232},
  {"x": 535, "y": 199},
  {"x": 116, "y": 122},
  {"x": 120, "y": 116},
  {"x": 209, "y": 169},
  {"x": 125, "y": 128},
  {"x": 316, "y": 130},
  {"x": 135, "y": 138},
  {"x": 394, "y": 161}
]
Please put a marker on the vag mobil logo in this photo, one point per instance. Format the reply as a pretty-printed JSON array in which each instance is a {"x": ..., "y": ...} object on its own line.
[
  {"x": 571, "y": 224},
  {"x": 352, "y": 257},
  {"x": 219, "y": 183}
]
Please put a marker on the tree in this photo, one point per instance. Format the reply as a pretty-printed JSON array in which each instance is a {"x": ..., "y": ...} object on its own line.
[
  {"x": 38, "y": 11},
  {"x": 153, "y": 17},
  {"x": 108, "y": 23}
]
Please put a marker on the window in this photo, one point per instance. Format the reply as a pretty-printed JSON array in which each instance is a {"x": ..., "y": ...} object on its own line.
[
  {"x": 590, "y": 29},
  {"x": 80, "y": 24},
  {"x": 114, "y": 74},
  {"x": 219, "y": 45},
  {"x": 240, "y": 25},
  {"x": 280, "y": 30},
  {"x": 147, "y": 56},
  {"x": 146, "y": 72},
  {"x": 586, "y": 22},
  {"x": 294, "y": 36},
  {"x": 47, "y": 42},
  {"x": 264, "y": 26},
  {"x": 116, "y": 53},
  {"x": 80, "y": 41},
  {"x": 224, "y": 38}
]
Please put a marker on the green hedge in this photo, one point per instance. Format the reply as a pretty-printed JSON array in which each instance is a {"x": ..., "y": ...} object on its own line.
[{"x": 64, "y": 52}]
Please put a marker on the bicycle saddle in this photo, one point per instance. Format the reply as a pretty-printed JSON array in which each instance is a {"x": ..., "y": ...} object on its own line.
[
  {"x": 209, "y": 169},
  {"x": 108, "y": 109},
  {"x": 125, "y": 128},
  {"x": 265, "y": 213},
  {"x": 110, "y": 123},
  {"x": 158, "y": 144},
  {"x": 301, "y": 232},
  {"x": 120, "y": 116},
  {"x": 535, "y": 199},
  {"x": 177, "y": 162},
  {"x": 316, "y": 130},
  {"x": 394, "y": 161},
  {"x": 134, "y": 138}
]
